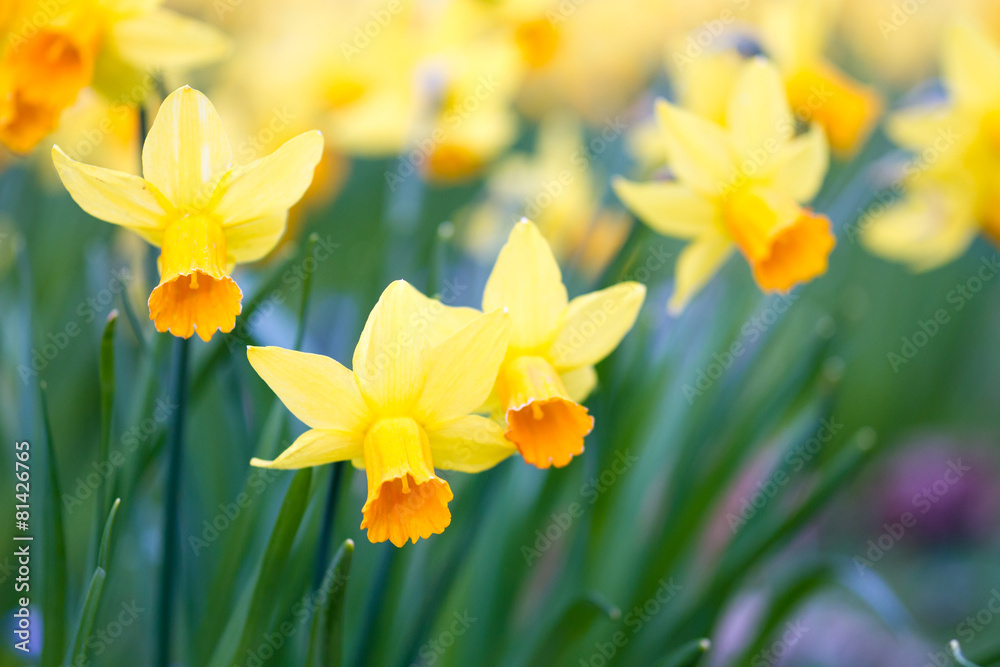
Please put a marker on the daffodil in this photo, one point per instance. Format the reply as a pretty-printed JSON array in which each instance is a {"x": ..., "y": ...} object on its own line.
[
  {"x": 202, "y": 211},
  {"x": 52, "y": 50},
  {"x": 953, "y": 194},
  {"x": 420, "y": 369},
  {"x": 795, "y": 35},
  {"x": 741, "y": 186},
  {"x": 548, "y": 369},
  {"x": 557, "y": 188}
]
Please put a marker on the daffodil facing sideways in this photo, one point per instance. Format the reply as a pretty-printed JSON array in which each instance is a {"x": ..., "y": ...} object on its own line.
[
  {"x": 955, "y": 195},
  {"x": 795, "y": 33},
  {"x": 204, "y": 213},
  {"x": 420, "y": 369},
  {"x": 739, "y": 186},
  {"x": 548, "y": 369},
  {"x": 52, "y": 49}
]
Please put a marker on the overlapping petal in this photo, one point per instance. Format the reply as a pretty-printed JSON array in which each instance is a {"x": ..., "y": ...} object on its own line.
[
  {"x": 670, "y": 208},
  {"x": 315, "y": 447},
  {"x": 527, "y": 281},
  {"x": 469, "y": 444},
  {"x": 595, "y": 323},
  {"x": 187, "y": 150},
  {"x": 316, "y": 389}
]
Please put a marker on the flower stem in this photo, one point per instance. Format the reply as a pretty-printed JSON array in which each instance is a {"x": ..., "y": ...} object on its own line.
[
  {"x": 326, "y": 528},
  {"x": 171, "y": 509}
]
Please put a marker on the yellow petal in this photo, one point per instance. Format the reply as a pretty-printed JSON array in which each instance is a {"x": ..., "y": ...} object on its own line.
[
  {"x": 271, "y": 184},
  {"x": 469, "y": 444},
  {"x": 758, "y": 114},
  {"x": 696, "y": 265},
  {"x": 187, "y": 150},
  {"x": 462, "y": 369},
  {"x": 801, "y": 165},
  {"x": 920, "y": 126},
  {"x": 253, "y": 239},
  {"x": 697, "y": 150},
  {"x": 314, "y": 448},
  {"x": 526, "y": 280},
  {"x": 391, "y": 358},
  {"x": 595, "y": 323},
  {"x": 113, "y": 196},
  {"x": 971, "y": 61},
  {"x": 316, "y": 389},
  {"x": 930, "y": 227},
  {"x": 669, "y": 208},
  {"x": 161, "y": 38},
  {"x": 579, "y": 382}
]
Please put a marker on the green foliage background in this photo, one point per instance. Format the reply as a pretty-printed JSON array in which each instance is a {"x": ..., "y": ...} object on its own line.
[{"x": 537, "y": 567}]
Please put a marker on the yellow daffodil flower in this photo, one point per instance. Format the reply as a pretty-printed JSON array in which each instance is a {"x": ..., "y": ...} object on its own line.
[
  {"x": 557, "y": 188},
  {"x": 204, "y": 213},
  {"x": 52, "y": 50},
  {"x": 795, "y": 34},
  {"x": 549, "y": 367},
  {"x": 954, "y": 194},
  {"x": 420, "y": 368},
  {"x": 739, "y": 186}
]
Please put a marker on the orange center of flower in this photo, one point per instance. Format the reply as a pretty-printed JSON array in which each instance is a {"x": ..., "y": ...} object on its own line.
[
  {"x": 42, "y": 75},
  {"x": 784, "y": 243},
  {"x": 537, "y": 41},
  {"x": 547, "y": 427},
  {"x": 452, "y": 162},
  {"x": 846, "y": 109},
  {"x": 406, "y": 500},
  {"x": 194, "y": 293}
]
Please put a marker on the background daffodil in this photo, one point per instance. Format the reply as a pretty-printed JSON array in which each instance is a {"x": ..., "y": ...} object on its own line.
[
  {"x": 203, "y": 212},
  {"x": 52, "y": 50},
  {"x": 420, "y": 368},
  {"x": 954, "y": 193},
  {"x": 739, "y": 186},
  {"x": 549, "y": 367}
]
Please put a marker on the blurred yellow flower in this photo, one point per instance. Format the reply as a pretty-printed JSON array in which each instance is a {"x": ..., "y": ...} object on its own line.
[
  {"x": 420, "y": 368},
  {"x": 739, "y": 186},
  {"x": 795, "y": 34},
  {"x": 53, "y": 49},
  {"x": 558, "y": 189},
  {"x": 549, "y": 367},
  {"x": 205, "y": 213},
  {"x": 954, "y": 188}
]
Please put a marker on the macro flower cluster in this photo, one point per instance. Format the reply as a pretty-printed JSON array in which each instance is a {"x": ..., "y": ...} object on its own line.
[{"x": 582, "y": 321}]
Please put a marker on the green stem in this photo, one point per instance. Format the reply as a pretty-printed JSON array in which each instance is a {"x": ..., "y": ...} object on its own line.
[
  {"x": 171, "y": 509},
  {"x": 326, "y": 528}
]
